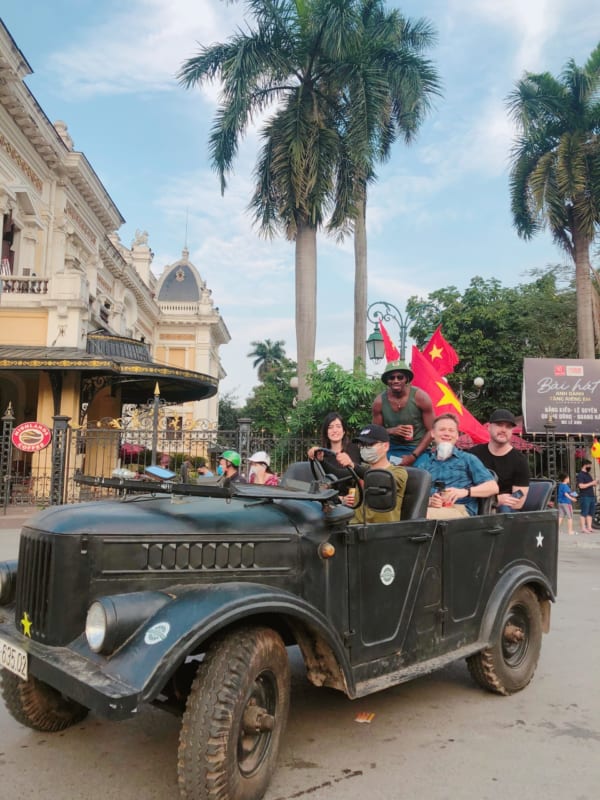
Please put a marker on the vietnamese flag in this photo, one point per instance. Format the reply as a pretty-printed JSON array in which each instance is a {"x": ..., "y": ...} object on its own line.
[
  {"x": 441, "y": 353},
  {"x": 391, "y": 351},
  {"x": 443, "y": 398}
]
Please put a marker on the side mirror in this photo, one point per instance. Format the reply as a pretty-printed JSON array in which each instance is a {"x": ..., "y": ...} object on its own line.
[{"x": 380, "y": 490}]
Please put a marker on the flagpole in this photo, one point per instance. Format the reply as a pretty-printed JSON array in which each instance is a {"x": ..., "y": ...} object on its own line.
[{"x": 382, "y": 311}]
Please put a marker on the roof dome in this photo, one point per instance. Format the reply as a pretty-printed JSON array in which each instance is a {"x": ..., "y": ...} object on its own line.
[{"x": 180, "y": 283}]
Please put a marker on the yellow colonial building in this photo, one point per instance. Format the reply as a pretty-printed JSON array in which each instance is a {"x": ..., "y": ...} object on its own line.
[{"x": 86, "y": 327}]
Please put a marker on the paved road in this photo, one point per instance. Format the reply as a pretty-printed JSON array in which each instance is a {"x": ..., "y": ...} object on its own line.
[{"x": 438, "y": 738}]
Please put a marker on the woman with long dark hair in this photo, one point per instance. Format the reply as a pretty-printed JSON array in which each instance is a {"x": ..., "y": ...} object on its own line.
[{"x": 336, "y": 440}]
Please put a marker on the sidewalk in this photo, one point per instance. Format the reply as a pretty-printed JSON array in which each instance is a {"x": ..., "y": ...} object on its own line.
[{"x": 17, "y": 516}]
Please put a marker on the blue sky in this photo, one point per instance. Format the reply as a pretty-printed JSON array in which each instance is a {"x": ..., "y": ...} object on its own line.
[{"x": 438, "y": 215}]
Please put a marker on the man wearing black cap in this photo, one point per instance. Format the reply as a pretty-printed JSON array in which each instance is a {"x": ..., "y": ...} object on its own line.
[
  {"x": 374, "y": 443},
  {"x": 510, "y": 466},
  {"x": 405, "y": 412}
]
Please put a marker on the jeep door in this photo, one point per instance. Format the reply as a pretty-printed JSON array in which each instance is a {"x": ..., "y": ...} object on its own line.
[{"x": 386, "y": 565}]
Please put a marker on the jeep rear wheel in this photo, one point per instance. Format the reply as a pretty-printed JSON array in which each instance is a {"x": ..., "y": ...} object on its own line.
[
  {"x": 509, "y": 664},
  {"x": 39, "y": 706},
  {"x": 235, "y": 716}
]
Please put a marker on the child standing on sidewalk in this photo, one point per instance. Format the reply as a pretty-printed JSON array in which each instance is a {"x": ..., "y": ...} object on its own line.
[{"x": 565, "y": 502}]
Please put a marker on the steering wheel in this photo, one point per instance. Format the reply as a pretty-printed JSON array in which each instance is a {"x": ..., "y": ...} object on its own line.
[{"x": 321, "y": 476}]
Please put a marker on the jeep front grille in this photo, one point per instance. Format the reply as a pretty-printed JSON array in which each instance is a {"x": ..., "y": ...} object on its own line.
[{"x": 33, "y": 583}]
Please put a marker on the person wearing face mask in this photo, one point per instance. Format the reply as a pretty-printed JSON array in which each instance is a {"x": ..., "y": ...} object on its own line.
[
  {"x": 587, "y": 495},
  {"x": 459, "y": 479},
  {"x": 260, "y": 470},
  {"x": 229, "y": 468},
  {"x": 374, "y": 443}
]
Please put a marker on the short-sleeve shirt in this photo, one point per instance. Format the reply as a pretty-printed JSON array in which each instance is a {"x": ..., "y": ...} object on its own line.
[
  {"x": 512, "y": 469},
  {"x": 585, "y": 477},
  {"x": 460, "y": 471},
  {"x": 362, "y": 514},
  {"x": 564, "y": 490}
]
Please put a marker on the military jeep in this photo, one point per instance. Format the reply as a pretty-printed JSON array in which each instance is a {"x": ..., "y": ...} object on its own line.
[{"x": 188, "y": 596}]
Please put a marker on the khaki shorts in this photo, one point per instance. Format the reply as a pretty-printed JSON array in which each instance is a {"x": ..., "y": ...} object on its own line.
[{"x": 447, "y": 512}]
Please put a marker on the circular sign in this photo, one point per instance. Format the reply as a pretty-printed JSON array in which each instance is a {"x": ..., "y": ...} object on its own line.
[
  {"x": 387, "y": 574},
  {"x": 31, "y": 436}
]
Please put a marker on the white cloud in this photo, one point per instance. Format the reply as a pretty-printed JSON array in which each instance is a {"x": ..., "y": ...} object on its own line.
[{"x": 141, "y": 47}]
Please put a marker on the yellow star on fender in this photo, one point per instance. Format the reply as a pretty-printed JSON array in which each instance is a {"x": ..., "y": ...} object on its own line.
[
  {"x": 26, "y": 623},
  {"x": 435, "y": 352},
  {"x": 448, "y": 397}
]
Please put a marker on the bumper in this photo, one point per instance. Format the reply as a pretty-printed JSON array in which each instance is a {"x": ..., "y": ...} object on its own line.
[{"x": 78, "y": 677}]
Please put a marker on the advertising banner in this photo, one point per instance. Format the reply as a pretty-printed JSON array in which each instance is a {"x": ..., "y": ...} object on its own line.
[{"x": 566, "y": 391}]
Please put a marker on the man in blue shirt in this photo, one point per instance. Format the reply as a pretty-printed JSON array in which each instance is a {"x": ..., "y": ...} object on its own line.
[{"x": 459, "y": 479}]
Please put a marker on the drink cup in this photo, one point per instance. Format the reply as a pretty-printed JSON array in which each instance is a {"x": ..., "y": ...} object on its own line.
[{"x": 409, "y": 432}]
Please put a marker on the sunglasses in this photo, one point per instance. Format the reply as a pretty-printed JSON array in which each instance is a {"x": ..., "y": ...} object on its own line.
[{"x": 396, "y": 378}]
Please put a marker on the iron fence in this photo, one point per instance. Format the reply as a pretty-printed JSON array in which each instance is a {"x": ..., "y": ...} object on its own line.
[{"x": 47, "y": 477}]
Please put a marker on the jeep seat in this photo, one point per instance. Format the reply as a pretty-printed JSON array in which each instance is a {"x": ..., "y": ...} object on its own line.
[
  {"x": 298, "y": 471},
  {"x": 538, "y": 495},
  {"x": 416, "y": 494}
]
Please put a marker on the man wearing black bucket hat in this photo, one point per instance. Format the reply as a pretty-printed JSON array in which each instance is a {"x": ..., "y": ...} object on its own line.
[
  {"x": 405, "y": 412},
  {"x": 510, "y": 466}
]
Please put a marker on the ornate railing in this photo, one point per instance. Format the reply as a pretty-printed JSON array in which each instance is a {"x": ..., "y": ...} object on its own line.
[{"x": 19, "y": 285}]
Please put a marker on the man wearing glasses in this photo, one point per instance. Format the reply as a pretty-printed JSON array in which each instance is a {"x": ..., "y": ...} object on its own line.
[{"x": 405, "y": 412}]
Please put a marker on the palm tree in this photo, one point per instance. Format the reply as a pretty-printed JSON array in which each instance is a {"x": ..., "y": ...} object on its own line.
[
  {"x": 388, "y": 96},
  {"x": 555, "y": 173},
  {"x": 293, "y": 58},
  {"x": 267, "y": 355}
]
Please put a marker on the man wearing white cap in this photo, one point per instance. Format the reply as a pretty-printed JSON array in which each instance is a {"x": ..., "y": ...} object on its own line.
[{"x": 260, "y": 469}]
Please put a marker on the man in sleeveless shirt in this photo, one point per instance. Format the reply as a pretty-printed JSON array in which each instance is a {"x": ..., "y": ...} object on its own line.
[{"x": 405, "y": 412}]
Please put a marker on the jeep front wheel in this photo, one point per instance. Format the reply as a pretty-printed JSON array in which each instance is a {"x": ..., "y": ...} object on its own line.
[
  {"x": 39, "y": 706},
  {"x": 235, "y": 717},
  {"x": 509, "y": 664}
]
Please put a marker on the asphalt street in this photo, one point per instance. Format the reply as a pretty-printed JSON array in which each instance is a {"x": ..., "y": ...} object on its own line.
[{"x": 439, "y": 737}]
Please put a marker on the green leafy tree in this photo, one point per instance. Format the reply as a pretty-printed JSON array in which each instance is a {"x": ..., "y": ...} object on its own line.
[
  {"x": 272, "y": 401},
  {"x": 228, "y": 412},
  {"x": 349, "y": 392},
  {"x": 493, "y": 328},
  {"x": 290, "y": 56},
  {"x": 555, "y": 175},
  {"x": 267, "y": 355}
]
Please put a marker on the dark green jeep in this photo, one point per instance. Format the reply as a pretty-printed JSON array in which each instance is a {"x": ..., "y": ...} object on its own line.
[{"x": 187, "y": 597}]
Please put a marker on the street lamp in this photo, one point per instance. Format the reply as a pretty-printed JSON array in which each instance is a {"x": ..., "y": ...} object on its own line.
[
  {"x": 382, "y": 311},
  {"x": 462, "y": 395},
  {"x": 155, "y": 407}
]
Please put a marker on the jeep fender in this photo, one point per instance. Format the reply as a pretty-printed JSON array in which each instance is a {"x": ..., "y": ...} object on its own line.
[
  {"x": 196, "y": 613},
  {"x": 518, "y": 575}
]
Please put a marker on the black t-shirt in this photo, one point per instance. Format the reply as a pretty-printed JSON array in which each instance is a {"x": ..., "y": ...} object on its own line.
[
  {"x": 585, "y": 477},
  {"x": 511, "y": 469},
  {"x": 331, "y": 467}
]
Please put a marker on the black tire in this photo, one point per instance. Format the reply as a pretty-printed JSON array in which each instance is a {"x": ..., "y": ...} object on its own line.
[
  {"x": 596, "y": 517},
  {"x": 509, "y": 664},
  {"x": 235, "y": 716},
  {"x": 39, "y": 706}
]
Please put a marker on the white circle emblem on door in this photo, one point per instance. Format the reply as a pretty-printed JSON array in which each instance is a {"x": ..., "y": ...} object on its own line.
[{"x": 387, "y": 574}]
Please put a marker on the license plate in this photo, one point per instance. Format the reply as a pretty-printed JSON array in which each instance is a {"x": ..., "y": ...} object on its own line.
[{"x": 14, "y": 659}]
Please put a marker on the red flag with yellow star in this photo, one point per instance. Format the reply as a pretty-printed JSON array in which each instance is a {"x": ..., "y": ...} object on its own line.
[
  {"x": 440, "y": 353},
  {"x": 443, "y": 398},
  {"x": 391, "y": 351}
]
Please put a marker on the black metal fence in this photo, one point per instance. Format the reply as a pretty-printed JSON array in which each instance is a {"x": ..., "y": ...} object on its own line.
[{"x": 47, "y": 477}]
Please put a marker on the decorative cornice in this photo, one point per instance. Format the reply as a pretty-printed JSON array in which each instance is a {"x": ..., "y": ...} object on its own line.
[
  {"x": 18, "y": 159},
  {"x": 76, "y": 217}
]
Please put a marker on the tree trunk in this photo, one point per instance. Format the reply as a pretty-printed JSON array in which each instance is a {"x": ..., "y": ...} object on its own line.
[
  {"x": 360, "y": 280},
  {"x": 583, "y": 287},
  {"x": 306, "y": 303}
]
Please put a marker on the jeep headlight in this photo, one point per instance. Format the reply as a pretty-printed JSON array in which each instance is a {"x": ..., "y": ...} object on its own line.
[
  {"x": 8, "y": 582},
  {"x": 96, "y": 626},
  {"x": 112, "y": 620}
]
